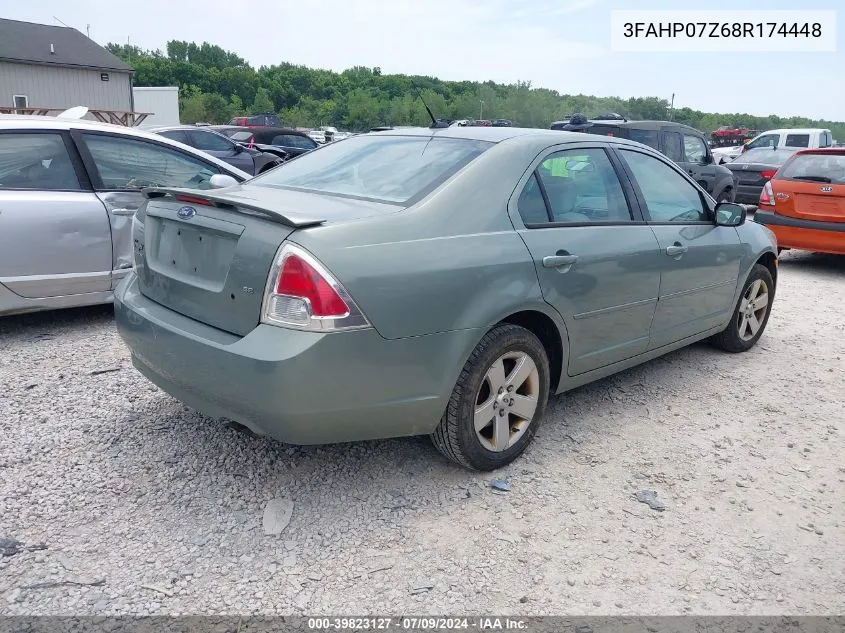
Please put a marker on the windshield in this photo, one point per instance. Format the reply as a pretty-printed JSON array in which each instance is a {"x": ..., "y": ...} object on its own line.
[
  {"x": 822, "y": 167},
  {"x": 765, "y": 156},
  {"x": 392, "y": 169}
]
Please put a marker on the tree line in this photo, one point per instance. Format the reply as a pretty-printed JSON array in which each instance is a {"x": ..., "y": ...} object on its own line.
[{"x": 216, "y": 84}]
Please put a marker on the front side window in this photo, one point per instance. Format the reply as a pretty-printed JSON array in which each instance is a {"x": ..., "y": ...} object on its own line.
[
  {"x": 581, "y": 186},
  {"x": 767, "y": 140},
  {"x": 125, "y": 163},
  {"x": 695, "y": 149},
  {"x": 36, "y": 161},
  {"x": 393, "y": 169},
  {"x": 669, "y": 197},
  {"x": 797, "y": 140},
  {"x": 210, "y": 142}
]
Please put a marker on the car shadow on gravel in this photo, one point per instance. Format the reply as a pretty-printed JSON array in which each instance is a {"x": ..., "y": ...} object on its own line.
[
  {"x": 35, "y": 324},
  {"x": 822, "y": 263}
]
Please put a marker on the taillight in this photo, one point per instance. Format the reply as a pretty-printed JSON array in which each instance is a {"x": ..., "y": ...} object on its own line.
[
  {"x": 768, "y": 174},
  {"x": 767, "y": 196},
  {"x": 302, "y": 294}
]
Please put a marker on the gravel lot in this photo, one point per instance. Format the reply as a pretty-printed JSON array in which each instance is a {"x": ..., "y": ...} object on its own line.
[{"x": 126, "y": 502}]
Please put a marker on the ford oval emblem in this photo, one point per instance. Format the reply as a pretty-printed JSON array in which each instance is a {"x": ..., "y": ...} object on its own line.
[{"x": 186, "y": 212}]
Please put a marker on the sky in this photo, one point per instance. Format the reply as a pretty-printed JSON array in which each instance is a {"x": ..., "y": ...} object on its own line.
[{"x": 563, "y": 45}]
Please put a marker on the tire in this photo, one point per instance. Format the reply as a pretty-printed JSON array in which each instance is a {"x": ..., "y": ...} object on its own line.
[
  {"x": 504, "y": 347},
  {"x": 740, "y": 336},
  {"x": 725, "y": 196}
]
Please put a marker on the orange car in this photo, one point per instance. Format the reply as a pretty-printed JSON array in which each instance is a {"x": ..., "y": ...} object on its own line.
[{"x": 804, "y": 202}]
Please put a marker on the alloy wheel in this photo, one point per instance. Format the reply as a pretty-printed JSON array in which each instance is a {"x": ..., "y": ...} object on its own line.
[
  {"x": 752, "y": 309},
  {"x": 506, "y": 401}
]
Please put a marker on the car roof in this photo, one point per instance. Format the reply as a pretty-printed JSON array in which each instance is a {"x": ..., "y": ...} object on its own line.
[
  {"x": 36, "y": 122},
  {"x": 276, "y": 131},
  {"x": 644, "y": 125},
  {"x": 794, "y": 130},
  {"x": 477, "y": 133}
]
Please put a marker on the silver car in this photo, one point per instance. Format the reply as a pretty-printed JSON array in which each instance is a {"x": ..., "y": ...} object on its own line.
[{"x": 68, "y": 191}]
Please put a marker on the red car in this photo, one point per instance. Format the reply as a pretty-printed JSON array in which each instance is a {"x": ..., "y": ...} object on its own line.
[{"x": 804, "y": 202}]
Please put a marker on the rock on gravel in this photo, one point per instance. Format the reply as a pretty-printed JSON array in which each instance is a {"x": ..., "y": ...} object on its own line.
[{"x": 277, "y": 515}]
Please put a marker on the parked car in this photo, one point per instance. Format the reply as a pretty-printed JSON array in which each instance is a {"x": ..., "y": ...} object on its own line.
[
  {"x": 723, "y": 155},
  {"x": 68, "y": 192},
  {"x": 755, "y": 168},
  {"x": 284, "y": 142},
  {"x": 436, "y": 281},
  {"x": 804, "y": 202},
  {"x": 796, "y": 138},
  {"x": 263, "y": 119},
  {"x": 501, "y": 123},
  {"x": 683, "y": 144},
  {"x": 252, "y": 161},
  {"x": 319, "y": 136}
]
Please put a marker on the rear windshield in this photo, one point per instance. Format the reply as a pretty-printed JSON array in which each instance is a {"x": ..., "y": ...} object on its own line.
[
  {"x": 394, "y": 169},
  {"x": 817, "y": 168},
  {"x": 764, "y": 156}
]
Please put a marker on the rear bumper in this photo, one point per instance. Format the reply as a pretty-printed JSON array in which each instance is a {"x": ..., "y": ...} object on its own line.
[
  {"x": 748, "y": 194},
  {"x": 298, "y": 387},
  {"x": 810, "y": 235}
]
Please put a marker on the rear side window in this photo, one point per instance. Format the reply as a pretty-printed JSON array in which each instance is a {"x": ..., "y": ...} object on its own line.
[
  {"x": 36, "y": 161},
  {"x": 125, "y": 163},
  {"x": 673, "y": 146},
  {"x": 176, "y": 135},
  {"x": 394, "y": 169},
  {"x": 646, "y": 137},
  {"x": 294, "y": 140},
  {"x": 210, "y": 142},
  {"x": 581, "y": 186},
  {"x": 824, "y": 168},
  {"x": 797, "y": 140}
]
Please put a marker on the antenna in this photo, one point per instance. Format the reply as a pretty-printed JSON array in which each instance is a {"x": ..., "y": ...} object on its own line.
[
  {"x": 88, "y": 30},
  {"x": 435, "y": 123},
  {"x": 60, "y": 22}
]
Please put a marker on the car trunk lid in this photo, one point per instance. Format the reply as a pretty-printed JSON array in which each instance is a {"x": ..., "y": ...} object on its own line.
[{"x": 808, "y": 200}]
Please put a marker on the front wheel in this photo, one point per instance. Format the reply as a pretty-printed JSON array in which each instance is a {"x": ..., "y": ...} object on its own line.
[
  {"x": 751, "y": 314},
  {"x": 725, "y": 196},
  {"x": 498, "y": 401}
]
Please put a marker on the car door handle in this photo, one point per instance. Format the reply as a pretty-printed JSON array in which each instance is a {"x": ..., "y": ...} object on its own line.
[
  {"x": 556, "y": 261},
  {"x": 676, "y": 249},
  {"x": 123, "y": 211}
]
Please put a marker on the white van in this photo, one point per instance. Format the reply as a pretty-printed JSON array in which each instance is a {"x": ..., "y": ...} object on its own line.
[{"x": 798, "y": 138}]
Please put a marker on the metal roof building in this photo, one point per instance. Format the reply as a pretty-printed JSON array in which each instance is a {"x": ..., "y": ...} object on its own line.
[{"x": 57, "y": 67}]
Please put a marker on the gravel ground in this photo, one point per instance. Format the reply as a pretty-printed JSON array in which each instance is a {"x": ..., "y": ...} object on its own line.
[{"x": 126, "y": 502}]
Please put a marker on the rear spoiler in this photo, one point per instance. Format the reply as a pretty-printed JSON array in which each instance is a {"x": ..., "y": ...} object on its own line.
[{"x": 221, "y": 200}]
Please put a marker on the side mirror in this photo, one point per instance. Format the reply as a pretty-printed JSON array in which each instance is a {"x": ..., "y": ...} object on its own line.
[
  {"x": 221, "y": 181},
  {"x": 708, "y": 159},
  {"x": 730, "y": 214}
]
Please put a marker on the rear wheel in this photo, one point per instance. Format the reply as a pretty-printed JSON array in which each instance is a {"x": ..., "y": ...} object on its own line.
[
  {"x": 498, "y": 401},
  {"x": 751, "y": 314}
]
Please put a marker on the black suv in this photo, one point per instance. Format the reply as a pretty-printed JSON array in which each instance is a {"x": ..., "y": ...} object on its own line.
[{"x": 683, "y": 144}]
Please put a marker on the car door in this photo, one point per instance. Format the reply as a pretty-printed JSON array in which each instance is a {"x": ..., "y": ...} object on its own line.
[
  {"x": 698, "y": 162},
  {"x": 120, "y": 166},
  {"x": 54, "y": 232},
  {"x": 223, "y": 148},
  {"x": 596, "y": 259},
  {"x": 700, "y": 261}
]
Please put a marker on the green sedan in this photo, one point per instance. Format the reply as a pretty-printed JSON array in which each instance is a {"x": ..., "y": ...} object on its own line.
[{"x": 440, "y": 281}]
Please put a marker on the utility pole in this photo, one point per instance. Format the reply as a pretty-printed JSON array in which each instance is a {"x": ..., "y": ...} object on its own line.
[
  {"x": 481, "y": 111},
  {"x": 672, "y": 107}
]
